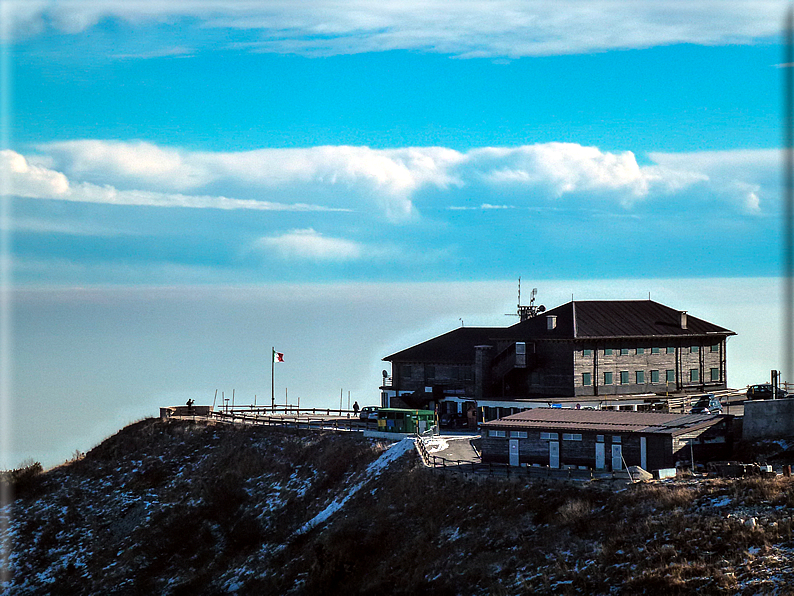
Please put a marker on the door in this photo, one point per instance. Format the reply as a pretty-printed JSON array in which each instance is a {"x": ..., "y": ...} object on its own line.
[
  {"x": 617, "y": 457},
  {"x": 600, "y": 456},
  {"x": 554, "y": 454},
  {"x": 514, "y": 452},
  {"x": 643, "y": 453}
]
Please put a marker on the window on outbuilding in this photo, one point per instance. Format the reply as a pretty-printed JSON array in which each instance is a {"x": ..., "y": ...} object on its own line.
[
  {"x": 572, "y": 437},
  {"x": 694, "y": 375},
  {"x": 624, "y": 377},
  {"x": 518, "y": 434},
  {"x": 496, "y": 433},
  {"x": 607, "y": 351},
  {"x": 715, "y": 374},
  {"x": 607, "y": 378},
  {"x": 670, "y": 376},
  {"x": 670, "y": 350},
  {"x": 548, "y": 436},
  {"x": 654, "y": 376},
  {"x": 640, "y": 350},
  {"x": 654, "y": 350},
  {"x": 640, "y": 376},
  {"x": 587, "y": 352},
  {"x": 714, "y": 348},
  {"x": 624, "y": 351},
  {"x": 694, "y": 349},
  {"x": 587, "y": 379}
]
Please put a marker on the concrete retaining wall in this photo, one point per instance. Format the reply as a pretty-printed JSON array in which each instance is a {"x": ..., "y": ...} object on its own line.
[{"x": 768, "y": 419}]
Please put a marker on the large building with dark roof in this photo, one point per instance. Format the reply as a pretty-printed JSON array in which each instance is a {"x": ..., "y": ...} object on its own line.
[{"x": 582, "y": 349}]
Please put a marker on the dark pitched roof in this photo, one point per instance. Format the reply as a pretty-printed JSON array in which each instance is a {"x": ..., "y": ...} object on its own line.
[
  {"x": 615, "y": 319},
  {"x": 605, "y": 421},
  {"x": 456, "y": 346},
  {"x": 581, "y": 319}
]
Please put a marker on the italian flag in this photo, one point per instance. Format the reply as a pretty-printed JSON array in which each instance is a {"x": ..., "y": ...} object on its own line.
[{"x": 278, "y": 356}]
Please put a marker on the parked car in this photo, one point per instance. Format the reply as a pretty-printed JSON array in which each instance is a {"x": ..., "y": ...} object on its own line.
[
  {"x": 369, "y": 413},
  {"x": 707, "y": 404},
  {"x": 763, "y": 391}
]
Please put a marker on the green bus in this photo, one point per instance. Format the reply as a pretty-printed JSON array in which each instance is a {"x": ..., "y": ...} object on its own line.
[{"x": 402, "y": 420}]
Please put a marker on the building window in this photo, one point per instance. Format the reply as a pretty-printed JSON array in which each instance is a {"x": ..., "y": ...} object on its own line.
[
  {"x": 715, "y": 374},
  {"x": 694, "y": 349},
  {"x": 587, "y": 352},
  {"x": 599, "y": 438},
  {"x": 571, "y": 436},
  {"x": 640, "y": 350},
  {"x": 624, "y": 351},
  {"x": 670, "y": 350},
  {"x": 640, "y": 376},
  {"x": 654, "y": 376},
  {"x": 694, "y": 375},
  {"x": 654, "y": 350},
  {"x": 670, "y": 376},
  {"x": 548, "y": 436},
  {"x": 607, "y": 378},
  {"x": 587, "y": 379},
  {"x": 616, "y": 439},
  {"x": 496, "y": 433},
  {"x": 518, "y": 434},
  {"x": 715, "y": 348},
  {"x": 607, "y": 351},
  {"x": 624, "y": 377}
]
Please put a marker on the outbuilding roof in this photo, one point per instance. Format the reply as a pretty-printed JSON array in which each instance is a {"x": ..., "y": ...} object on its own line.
[{"x": 605, "y": 421}]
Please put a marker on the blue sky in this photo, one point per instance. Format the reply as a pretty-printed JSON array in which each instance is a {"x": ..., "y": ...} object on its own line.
[
  {"x": 361, "y": 144},
  {"x": 218, "y": 142}
]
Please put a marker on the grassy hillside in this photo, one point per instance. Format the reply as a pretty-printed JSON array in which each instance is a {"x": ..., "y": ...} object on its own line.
[{"x": 181, "y": 508}]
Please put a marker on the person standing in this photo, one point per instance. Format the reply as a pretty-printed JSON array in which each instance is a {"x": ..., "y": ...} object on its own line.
[{"x": 355, "y": 408}]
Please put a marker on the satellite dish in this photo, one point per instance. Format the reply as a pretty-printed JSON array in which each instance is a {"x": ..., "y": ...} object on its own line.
[
  {"x": 541, "y": 308},
  {"x": 385, "y": 374}
]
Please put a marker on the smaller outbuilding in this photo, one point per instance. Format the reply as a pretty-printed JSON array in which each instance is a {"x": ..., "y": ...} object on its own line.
[{"x": 605, "y": 440}]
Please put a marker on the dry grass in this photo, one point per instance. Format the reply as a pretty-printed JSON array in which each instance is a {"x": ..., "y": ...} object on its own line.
[{"x": 412, "y": 531}]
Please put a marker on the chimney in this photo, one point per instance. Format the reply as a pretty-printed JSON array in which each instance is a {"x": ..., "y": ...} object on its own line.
[
  {"x": 683, "y": 319},
  {"x": 551, "y": 322}
]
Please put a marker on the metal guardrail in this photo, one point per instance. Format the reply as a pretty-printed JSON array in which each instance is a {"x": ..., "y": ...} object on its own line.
[{"x": 294, "y": 422}]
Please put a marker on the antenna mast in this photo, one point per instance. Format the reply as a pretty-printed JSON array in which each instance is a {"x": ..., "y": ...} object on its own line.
[{"x": 527, "y": 312}]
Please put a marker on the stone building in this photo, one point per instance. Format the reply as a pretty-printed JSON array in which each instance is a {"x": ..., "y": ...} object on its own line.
[
  {"x": 605, "y": 440},
  {"x": 582, "y": 349}
]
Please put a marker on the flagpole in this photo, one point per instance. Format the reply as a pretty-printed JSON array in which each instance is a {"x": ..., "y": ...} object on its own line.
[{"x": 272, "y": 381}]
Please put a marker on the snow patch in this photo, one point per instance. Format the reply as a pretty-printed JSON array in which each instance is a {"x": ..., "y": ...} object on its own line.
[{"x": 373, "y": 471}]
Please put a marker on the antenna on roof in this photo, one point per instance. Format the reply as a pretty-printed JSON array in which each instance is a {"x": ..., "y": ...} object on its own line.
[
  {"x": 527, "y": 312},
  {"x": 461, "y": 322}
]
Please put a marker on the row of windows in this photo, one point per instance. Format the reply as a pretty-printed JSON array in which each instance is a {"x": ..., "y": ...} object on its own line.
[
  {"x": 639, "y": 377},
  {"x": 654, "y": 350},
  {"x": 547, "y": 436}
]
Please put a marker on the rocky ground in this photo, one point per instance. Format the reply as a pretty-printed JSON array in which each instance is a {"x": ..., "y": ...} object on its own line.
[{"x": 183, "y": 508}]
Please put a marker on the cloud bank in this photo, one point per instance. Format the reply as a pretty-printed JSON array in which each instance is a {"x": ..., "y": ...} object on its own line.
[
  {"x": 467, "y": 28},
  {"x": 392, "y": 183}
]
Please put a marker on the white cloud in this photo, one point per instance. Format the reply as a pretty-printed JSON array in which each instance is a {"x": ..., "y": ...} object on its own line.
[
  {"x": 310, "y": 245},
  {"x": 561, "y": 168},
  {"x": 23, "y": 179},
  {"x": 507, "y": 28},
  {"x": 387, "y": 181}
]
